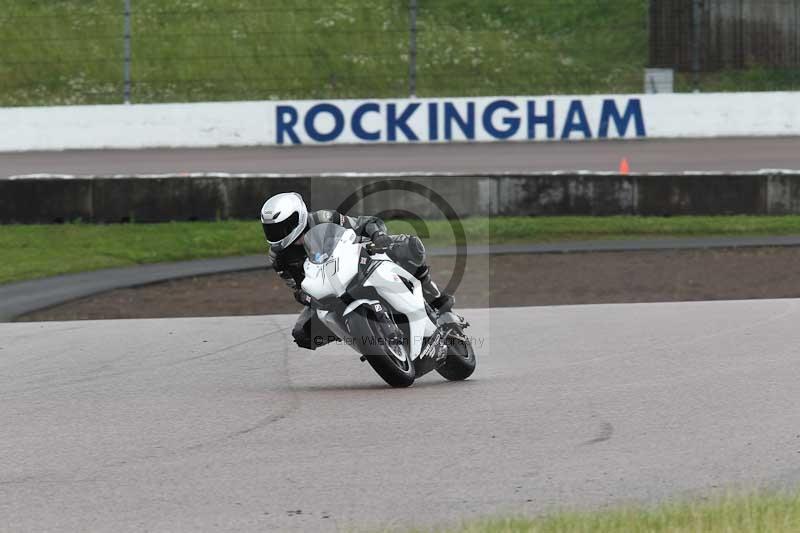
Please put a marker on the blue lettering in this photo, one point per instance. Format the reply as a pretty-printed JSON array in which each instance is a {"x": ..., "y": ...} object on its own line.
[
  {"x": 511, "y": 123},
  {"x": 576, "y": 121},
  {"x": 358, "y": 127},
  {"x": 500, "y": 120},
  {"x": 394, "y": 122},
  {"x": 338, "y": 119},
  {"x": 632, "y": 111},
  {"x": 286, "y": 117},
  {"x": 433, "y": 121},
  {"x": 548, "y": 119},
  {"x": 466, "y": 125}
]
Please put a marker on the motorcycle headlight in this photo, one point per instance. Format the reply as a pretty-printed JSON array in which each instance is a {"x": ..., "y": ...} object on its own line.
[{"x": 331, "y": 267}]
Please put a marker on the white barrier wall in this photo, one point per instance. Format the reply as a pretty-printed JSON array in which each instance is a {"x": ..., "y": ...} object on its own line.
[{"x": 539, "y": 118}]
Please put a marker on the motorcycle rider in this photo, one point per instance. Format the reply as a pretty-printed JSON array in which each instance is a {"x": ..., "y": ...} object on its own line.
[{"x": 285, "y": 219}]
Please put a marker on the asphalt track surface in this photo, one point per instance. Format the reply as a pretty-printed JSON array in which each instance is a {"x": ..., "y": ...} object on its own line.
[
  {"x": 222, "y": 424},
  {"x": 740, "y": 154}
]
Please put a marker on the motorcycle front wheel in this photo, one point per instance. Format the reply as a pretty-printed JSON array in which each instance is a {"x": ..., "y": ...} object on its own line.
[{"x": 392, "y": 361}]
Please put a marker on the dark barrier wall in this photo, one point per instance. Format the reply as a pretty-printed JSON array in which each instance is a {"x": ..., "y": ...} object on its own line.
[
  {"x": 157, "y": 199},
  {"x": 729, "y": 34}
]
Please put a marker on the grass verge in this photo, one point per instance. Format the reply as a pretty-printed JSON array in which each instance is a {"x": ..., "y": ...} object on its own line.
[
  {"x": 34, "y": 251},
  {"x": 758, "y": 513},
  {"x": 71, "y": 51}
]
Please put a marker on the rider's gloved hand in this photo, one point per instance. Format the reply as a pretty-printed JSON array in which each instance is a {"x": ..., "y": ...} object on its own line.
[
  {"x": 299, "y": 297},
  {"x": 381, "y": 241}
]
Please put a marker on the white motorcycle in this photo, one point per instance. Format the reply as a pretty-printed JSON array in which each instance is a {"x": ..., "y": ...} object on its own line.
[{"x": 373, "y": 304}]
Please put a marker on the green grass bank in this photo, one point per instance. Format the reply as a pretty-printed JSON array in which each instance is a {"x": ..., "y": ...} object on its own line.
[
  {"x": 739, "y": 514},
  {"x": 34, "y": 251},
  {"x": 71, "y": 51}
]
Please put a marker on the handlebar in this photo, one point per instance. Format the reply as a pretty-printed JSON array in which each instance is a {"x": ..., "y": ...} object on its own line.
[{"x": 373, "y": 249}]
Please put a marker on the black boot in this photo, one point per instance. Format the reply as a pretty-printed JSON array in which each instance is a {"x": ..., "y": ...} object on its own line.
[{"x": 441, "y": 301}]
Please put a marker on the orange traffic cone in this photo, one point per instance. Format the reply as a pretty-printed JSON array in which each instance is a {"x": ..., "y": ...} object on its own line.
[{"x": 624, "y": 167}]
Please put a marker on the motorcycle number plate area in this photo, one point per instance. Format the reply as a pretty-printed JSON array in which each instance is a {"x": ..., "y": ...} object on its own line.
[{"x": 381, "y": 312}]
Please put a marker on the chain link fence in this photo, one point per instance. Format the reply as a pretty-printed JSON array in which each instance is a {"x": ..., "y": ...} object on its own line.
[{"x": 110, "y": 51}]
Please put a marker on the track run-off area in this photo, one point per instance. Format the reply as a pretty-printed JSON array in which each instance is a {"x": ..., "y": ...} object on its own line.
[
  {"x": 734, "y": 154},
  {"x": 222, "y": 423}
]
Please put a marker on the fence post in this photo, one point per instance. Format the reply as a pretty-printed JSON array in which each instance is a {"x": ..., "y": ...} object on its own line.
[
  {"x": 412, "y": 48},
  {"x": 127, "y": 52},
  {"x": 697, "y": 38}
]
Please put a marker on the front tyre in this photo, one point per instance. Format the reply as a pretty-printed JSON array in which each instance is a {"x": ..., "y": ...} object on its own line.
[
  {"x": 460, "y": 362},
  {"x": 391, "y": 361}
]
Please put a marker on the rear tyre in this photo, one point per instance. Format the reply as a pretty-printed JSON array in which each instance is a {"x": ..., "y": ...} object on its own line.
[
  {"x": 460, "y": 362},
  {"x": 392, "y": 361}
]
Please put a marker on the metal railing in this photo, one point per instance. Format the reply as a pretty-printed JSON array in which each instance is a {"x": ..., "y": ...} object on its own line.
[{"x": 111, "y": 51}]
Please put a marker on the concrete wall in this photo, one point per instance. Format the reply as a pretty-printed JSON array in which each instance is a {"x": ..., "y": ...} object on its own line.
[
  {"x": 44, "y": 199},
  {"x": 422, "y": 120}
]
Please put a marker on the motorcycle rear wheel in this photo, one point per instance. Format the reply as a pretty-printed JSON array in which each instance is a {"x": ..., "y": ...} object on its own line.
[
  {"x": 391, "y": 362},
  {"x": 460, "y": 362}
]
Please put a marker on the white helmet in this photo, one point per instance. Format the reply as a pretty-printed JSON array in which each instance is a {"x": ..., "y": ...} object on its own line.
[{"x": 284, "y": 218}]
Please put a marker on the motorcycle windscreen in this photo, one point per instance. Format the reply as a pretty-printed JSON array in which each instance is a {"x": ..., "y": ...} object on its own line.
[{"x": 321, "y": 240}]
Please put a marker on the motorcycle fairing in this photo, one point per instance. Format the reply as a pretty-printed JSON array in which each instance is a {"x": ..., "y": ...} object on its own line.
[
  {"x": 349, "y": 267},
  {"x": 387, "y": 280}
]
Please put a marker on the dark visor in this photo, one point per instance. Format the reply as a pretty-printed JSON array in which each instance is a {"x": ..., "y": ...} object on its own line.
[{"x": 277, "y": 231}]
